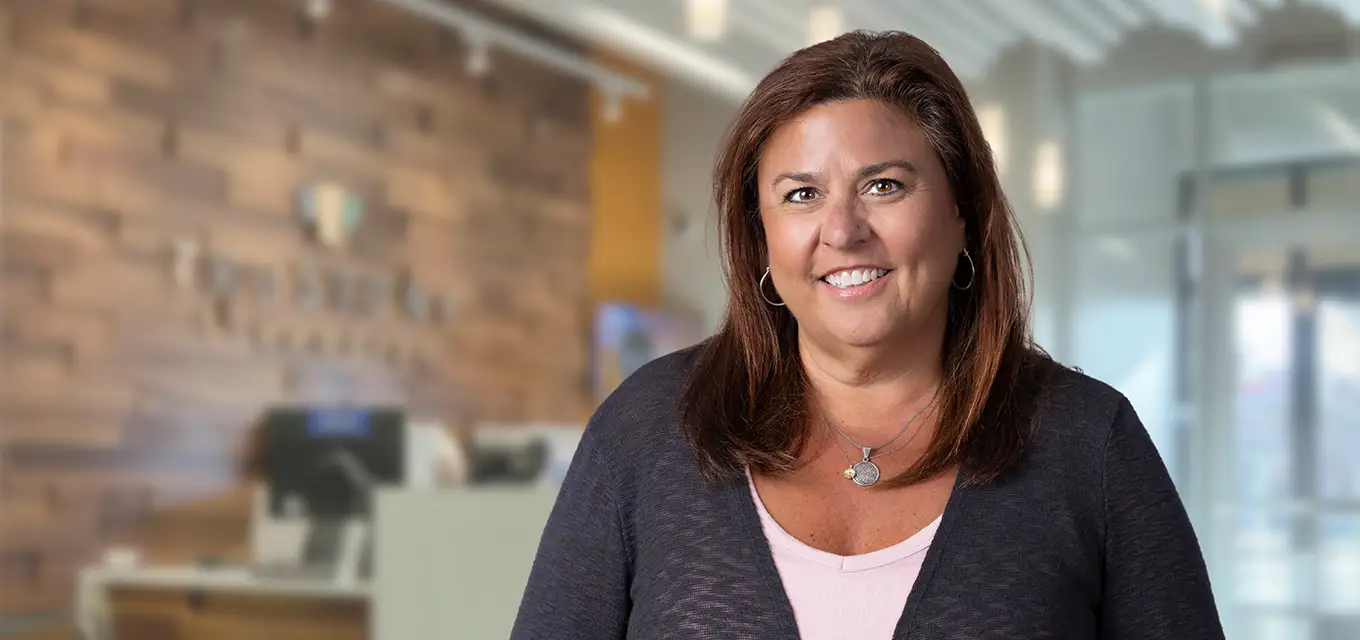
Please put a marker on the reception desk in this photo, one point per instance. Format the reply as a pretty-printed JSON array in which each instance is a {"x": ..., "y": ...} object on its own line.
[{"x": 447, "y": 564}]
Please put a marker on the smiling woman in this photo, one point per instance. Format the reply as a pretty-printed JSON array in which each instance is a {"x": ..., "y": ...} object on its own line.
[{"x": 871, "y": 446}]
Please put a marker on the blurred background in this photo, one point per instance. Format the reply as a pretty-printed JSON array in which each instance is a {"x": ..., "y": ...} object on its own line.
[{"x": 304, "y": 302}]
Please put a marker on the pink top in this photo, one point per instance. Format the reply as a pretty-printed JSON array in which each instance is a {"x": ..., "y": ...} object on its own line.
[{"x": 838, "y": 597}]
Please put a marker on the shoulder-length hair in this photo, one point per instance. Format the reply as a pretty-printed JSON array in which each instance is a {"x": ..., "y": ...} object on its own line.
[{"x": 744, "y": 403}]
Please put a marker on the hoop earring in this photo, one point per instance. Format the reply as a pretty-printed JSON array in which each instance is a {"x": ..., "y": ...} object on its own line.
[
  {"x": 972, "y": 273},
  {"x": 761, "y": 288}
]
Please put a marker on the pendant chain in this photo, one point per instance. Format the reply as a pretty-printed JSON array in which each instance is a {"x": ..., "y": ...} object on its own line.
[
  {"x": 901, "y": 431},
  {"x": 865, "y": 473}
]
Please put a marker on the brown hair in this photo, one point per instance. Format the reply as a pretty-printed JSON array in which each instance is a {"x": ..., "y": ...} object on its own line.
[{"x": 744, "y": 403}]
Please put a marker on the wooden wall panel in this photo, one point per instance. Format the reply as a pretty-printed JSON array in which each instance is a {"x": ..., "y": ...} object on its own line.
[{"x": 133, "y": 127}]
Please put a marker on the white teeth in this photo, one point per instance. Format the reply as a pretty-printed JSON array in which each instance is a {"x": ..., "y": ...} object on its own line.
[{"x": 854, "y": 277}]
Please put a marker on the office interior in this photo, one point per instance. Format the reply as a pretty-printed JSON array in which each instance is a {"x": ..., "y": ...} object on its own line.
[{"x": 305, "y": 302}]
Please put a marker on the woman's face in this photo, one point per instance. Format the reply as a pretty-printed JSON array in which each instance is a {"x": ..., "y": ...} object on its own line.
[{"x": 863, "y": 232}]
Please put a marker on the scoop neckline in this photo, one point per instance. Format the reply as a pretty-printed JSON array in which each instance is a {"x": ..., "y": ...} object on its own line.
[{"x": 916, "y": 544}]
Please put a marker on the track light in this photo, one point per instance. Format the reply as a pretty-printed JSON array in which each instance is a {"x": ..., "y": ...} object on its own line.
[
  {"x": 825, "y": 21},
  {"x": 612, "y": 109},
  {"x": 478, "y": 57},
  {"x": 707, "y": 19},
  {"x": 1049, "y": 178},
  {"x": 992, "y": 118},
  {"x": 319, "y": 9}
]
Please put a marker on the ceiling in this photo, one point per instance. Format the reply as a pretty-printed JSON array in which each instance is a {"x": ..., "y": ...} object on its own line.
[{"x": 971, "y": 34}]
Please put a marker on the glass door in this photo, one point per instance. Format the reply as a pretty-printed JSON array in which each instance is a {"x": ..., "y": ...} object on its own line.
[{"x": 1288, "y": 520}]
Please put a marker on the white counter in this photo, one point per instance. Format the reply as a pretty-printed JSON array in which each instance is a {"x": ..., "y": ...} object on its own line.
[
  {"x": 453, "y": 565},
  {"x": 448, "y": 565}
]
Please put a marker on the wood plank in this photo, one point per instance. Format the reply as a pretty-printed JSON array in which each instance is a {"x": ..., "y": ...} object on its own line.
[
  {"x": 82, "y": 188},
  {"x": 19, "y": 101},
  {"x": 107, "y": 287},
  {"x": 460, "y": 112},
  {"x": 6, "y": 27},
  {"x": 104, "y": 127},
  {"x": 105, "y": 467},
  {"x": 115, "y": 57},
  {"x": 426, "y": 193},
  {"x": 433, "y": 151},
  {"x": 83, "y": 231},
  {"x": 173, "y": 178},
  {"x": 163, "y": 613},
  {"x": 342, "y": 154},
  {"x": 70, "y": 337},
  {"x": 42, "y": 257},
  {"x": 311, "y": 86},
  {"x": 57, "y": 81},
  {"x": 29, "y": 400},
  {"x": 140, "y": 9},
  {"x": 259, "y": 177}
]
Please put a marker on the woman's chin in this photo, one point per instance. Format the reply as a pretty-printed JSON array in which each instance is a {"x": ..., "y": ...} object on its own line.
[{"x": 861, "y": 335}]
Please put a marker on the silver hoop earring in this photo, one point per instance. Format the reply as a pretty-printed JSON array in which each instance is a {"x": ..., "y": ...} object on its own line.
[
  {"x": 761, "y": 288},
  {"x": 972, "y": 273}
]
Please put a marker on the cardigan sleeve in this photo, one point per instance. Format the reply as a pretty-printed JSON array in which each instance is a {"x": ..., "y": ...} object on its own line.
[
  {"x": 578, "y": 586},
  {"x": 1155, "y": 584}
]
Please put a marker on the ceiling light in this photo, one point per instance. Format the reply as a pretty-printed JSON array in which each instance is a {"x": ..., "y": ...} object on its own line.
[
  {"x": 1049, "y": 178},
  {"x": 612, "y": 110},
  {"x": 992, "y": 117},
  {"x": 707, "y": 19},
  {"x": 825, "y": 21},
  {"x": 319, "y": 9},
  {"x": 478, "y": 58}
]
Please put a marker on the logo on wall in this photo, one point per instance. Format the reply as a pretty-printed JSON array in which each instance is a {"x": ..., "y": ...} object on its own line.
[
  {"x": 345, "y": 307},
  {"x": 330, "y": 213}
]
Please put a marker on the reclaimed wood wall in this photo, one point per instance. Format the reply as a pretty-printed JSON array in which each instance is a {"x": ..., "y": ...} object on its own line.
[{"x": 132, "y": 367}]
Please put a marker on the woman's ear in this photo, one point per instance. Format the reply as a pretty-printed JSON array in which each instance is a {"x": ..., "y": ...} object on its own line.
[{"x": 963, "y": 224}]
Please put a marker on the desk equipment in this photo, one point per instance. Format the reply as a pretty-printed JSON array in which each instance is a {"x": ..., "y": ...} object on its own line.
[{"x": 322, "y": 465}]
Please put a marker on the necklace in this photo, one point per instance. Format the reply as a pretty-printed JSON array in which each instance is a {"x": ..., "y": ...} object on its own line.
[{"x": 865, "y": 473}]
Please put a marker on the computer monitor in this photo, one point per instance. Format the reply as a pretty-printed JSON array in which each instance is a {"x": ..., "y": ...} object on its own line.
[{"x": 325, "y": 461}]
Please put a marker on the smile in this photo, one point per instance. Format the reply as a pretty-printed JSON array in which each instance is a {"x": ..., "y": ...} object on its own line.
[{"x": 851, "y": 278}]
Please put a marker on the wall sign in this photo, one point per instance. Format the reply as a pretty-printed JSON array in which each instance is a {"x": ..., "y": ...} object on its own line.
[{"x": 330, "y": 213}]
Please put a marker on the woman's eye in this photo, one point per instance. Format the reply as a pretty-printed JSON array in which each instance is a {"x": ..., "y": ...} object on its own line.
[
  {"x": 884, "y": 187},
  {"x": 805, "y": 194}
]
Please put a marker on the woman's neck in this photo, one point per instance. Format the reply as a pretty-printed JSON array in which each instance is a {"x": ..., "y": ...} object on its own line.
[{"x": 871, "y": 393}]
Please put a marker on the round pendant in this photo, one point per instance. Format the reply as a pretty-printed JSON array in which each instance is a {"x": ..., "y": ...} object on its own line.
[{"x": 866, "y": 473}]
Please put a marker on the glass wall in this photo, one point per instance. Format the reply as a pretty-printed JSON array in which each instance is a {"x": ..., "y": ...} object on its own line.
[{"x": 1215, "y": 280}]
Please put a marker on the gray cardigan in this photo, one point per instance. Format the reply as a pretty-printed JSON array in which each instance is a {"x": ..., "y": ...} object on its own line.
[{"x": 1087, "y": 538}]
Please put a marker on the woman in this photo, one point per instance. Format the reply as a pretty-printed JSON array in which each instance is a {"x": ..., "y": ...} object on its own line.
[{"x": 870, "y": 446}]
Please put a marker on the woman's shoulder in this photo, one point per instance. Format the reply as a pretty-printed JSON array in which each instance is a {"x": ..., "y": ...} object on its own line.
[
  {"x": 1079, "y": 396},
  {"x": 1076, "y": 413},
  {"x": 643, "y": 411}
]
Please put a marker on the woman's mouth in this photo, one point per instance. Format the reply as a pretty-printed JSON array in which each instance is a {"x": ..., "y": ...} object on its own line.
[
  {"x": 855, "y": 283},
  {"x": 851, "y": 278}
]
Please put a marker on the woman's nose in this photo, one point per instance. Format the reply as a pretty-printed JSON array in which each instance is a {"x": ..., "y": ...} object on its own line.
[{"x": 845, "y": 225}]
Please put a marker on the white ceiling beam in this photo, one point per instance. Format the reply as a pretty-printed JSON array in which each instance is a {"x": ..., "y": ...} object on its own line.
[
  {"x": 774, "y": 29},
  {"x": 1222, "y": 15},
  {"x": 1245, "y": 11},
  {"x": 1192, "y": 14},
  {"x": 961, "y": 51},
  {"x": 1125, "y": 13},
  {"x": 660, "y": 50},
  {"x": 1348, "y": 8},
  {"x": 970, "y": 17},
  {"x": 486, "y": 32},
  {"x": 1105, "y": 29},
  {"x": 1045, "y": 27}
]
